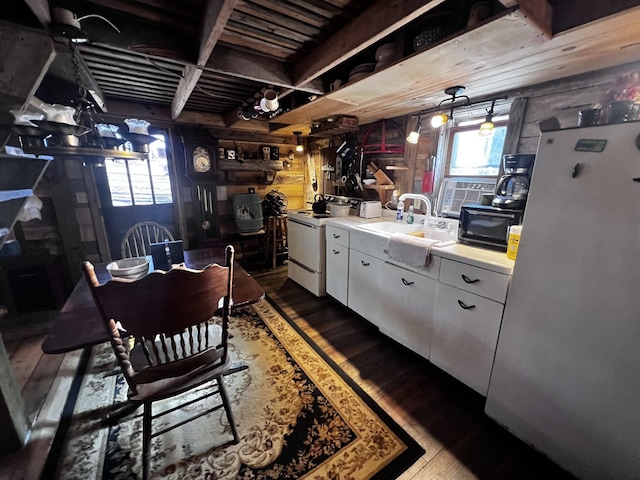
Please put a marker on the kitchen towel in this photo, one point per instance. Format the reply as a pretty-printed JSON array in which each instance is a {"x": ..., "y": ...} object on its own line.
[{"x": 411, "y": 250}]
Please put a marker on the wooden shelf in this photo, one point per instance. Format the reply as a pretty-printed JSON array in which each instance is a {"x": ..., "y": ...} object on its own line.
[
  {"x": 88, "y": 152},
  {"x": 396, "y": 167},
  {"x": 384, "y": 191},
  {"x": 506, "y": 52},
  {"x": 20, "y": 175}
]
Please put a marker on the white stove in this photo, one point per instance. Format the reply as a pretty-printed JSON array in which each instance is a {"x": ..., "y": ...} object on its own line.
[
  {"x": 306, "y": 243},
  {"x": 308, "y": 217}
]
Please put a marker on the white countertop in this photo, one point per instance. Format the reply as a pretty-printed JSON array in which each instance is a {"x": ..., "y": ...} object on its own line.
[{"x": 479, "y": 257}]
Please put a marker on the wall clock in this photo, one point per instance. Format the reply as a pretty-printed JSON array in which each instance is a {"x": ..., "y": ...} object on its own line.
[{"x": 201, "y": 160}]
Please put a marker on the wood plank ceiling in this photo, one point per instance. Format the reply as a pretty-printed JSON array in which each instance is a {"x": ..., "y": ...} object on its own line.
[{"x": 213, "y": 57}]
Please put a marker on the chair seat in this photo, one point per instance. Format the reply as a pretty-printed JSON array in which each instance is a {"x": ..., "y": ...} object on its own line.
[{"x": 169, "y": 387}]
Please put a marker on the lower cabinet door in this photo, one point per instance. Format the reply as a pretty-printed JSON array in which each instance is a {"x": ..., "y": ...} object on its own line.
[
  {"x": 337, "y": 271},
  {"x": 365, "y": 286},
  {"x": 407, "y": 311},
  {"x": 465, "y": 335}
]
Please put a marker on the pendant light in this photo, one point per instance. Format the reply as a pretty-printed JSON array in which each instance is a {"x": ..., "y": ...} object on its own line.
[
  {"x": 414, "y": 135},
  {"x": 299, "y": 147},
  {"x": 440, "y": 119},
  {"x": 486, "y": 128}
]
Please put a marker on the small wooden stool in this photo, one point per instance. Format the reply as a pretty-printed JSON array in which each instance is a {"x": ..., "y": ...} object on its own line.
[
  {"x": 260, "y": 236},
  {"x": 276, "y": 237}
]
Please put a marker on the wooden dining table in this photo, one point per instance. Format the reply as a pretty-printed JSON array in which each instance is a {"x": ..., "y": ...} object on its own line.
[{"x": 78, "y": 324}]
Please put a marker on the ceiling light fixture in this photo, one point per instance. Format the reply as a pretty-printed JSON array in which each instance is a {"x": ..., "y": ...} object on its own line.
[
  {"x": 299, "y": 147},
  {"x": 414, "y": 135},
  {"x": 67, "y": 24},
  {"x": 486, "y": 128},
  {"x": 440, "y": 119}
]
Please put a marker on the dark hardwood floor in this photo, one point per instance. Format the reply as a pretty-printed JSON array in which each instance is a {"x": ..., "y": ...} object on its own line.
[{"x": 442, "y": 414}]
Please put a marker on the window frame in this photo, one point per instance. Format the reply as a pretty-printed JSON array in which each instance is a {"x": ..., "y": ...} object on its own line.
[
  {"x": 150, "y": 177},
  {"x": 470, "y": 126}
]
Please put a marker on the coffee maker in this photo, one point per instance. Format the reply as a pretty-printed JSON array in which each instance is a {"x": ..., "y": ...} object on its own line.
[{"x": 513, "y": 187}]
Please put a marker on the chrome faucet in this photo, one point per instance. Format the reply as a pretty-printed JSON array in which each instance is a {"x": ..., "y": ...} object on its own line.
[{"x": 417, "y": 196}]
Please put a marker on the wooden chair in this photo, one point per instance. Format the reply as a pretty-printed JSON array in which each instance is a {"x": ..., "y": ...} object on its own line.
[
  {"x": 137, "y": 239},
  {"x": 172, "y": 342}
]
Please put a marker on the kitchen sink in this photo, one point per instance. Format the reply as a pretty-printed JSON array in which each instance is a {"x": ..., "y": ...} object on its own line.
[{"x": 389, "y": 228}]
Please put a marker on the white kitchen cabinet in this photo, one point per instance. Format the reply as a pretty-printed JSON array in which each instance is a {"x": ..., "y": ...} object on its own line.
[
  {"x": 365, "y": 286},
  {"x": 337, "y": 258},
  {"x": 467, "y": 317},
  {"x": 407, "y": 309}
]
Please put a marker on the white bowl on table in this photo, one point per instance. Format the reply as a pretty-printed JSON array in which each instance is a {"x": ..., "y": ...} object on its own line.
[{"x": 129, "y": 268}]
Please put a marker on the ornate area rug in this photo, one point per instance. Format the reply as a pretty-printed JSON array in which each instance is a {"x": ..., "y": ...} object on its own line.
[{"x": 298, "y": 414}]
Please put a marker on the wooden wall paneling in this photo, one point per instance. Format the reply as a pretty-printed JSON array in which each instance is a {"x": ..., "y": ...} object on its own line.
[
  {"x": 563, "y": 99},
  {"x": 250, "y": 174},
  {"x": 514, "y": 127}
]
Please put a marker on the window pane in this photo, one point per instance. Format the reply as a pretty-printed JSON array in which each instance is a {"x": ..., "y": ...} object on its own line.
[
  {"x": 140, "y": 182},
  {"x": 477, "y": 155},
  {"x": 123, "y": 175},
  {"x": 118, "y": 183},
  {"x": 160, "y": 171}
]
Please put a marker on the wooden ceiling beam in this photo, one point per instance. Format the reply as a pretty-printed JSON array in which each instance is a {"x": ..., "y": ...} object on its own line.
[
  {"x": 215, "y": 18},
  {"x": 40, "y": 9},
  {"x": 378, "y": 21},
  {"x": 177, "y": 22},
  {"x": 255, "y": 68}
]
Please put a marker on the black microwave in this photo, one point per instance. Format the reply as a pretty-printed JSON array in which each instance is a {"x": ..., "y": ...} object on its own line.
[{"x": 487, "y": 226}]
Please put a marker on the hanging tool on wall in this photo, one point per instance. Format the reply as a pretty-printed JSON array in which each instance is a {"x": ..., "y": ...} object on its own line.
[{"x": 311, "y": 164}]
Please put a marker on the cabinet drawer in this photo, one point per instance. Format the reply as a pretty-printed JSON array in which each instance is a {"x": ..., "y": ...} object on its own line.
[
  {"x": 476, "y": 280},
  {"x": 337, "y": 235},
  {"x": 365, "y": 286},
  {"x": 337, "y": 271},
  {"x": 465, "y": 335},
  {"x": 375, "y": 245}
]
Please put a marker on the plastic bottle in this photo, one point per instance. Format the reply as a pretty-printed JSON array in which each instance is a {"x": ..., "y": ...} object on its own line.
[
  {"x": 514, "y": 240},
  {"x": 400, "y": 212},
  {"x": 410, "y": 215},
  {"x": 167, "y": 252}
]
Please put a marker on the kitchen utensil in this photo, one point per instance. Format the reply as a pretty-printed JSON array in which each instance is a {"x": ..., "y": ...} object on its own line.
[
  {"x": 320, "y": 204},
  {"x": 622, "y": 111},
  {"x": 338, "y": 210},
  {"x": 588, "y": 117}
]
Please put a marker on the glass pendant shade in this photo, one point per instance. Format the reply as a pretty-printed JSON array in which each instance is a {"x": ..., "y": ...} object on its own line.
[{"x": 439, "y": 120}]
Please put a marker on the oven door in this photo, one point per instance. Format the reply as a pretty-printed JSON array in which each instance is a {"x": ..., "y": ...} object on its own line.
[{"x": 306, "y": 245}]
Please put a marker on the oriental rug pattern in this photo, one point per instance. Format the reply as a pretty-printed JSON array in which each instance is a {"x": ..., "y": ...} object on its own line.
[{"x": 298, "y": 414}]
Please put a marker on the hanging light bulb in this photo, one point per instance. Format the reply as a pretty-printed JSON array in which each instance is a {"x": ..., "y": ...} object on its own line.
[
  {"x": 439, "y": 120},
  {"x": 299, "y": 147},
  {"x": 486, "y": 128},
  {"x": 414, "y": 136}
]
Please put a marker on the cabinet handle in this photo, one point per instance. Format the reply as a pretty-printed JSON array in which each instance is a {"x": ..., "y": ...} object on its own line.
[
  {"x": 406, "y": 282},
  {"x": 465, "y": 306},
  {"x": 576, "y": 170},
  {"x": 468, "y": 280},
  {"x": 364, "y": 264},
  {"x": 336, "y": 252},
  {"x": 336, "y": 236}
]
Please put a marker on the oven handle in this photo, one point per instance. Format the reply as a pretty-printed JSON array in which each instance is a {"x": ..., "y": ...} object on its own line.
[
  {"x": 303, "y": 224},
  {"x": 289, "y": 259}
]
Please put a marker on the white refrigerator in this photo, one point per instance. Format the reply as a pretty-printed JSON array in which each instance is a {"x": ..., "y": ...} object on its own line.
[{"x": 566, "y": 376}]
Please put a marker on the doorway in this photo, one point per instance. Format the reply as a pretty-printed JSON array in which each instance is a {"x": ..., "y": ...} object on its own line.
[{"x": 133, "y": 191}]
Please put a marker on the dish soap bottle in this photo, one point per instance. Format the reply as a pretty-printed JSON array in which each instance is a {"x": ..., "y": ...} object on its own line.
[
  {"x": 400, "y": 212},
  {"x": 410, "y": 215}
]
